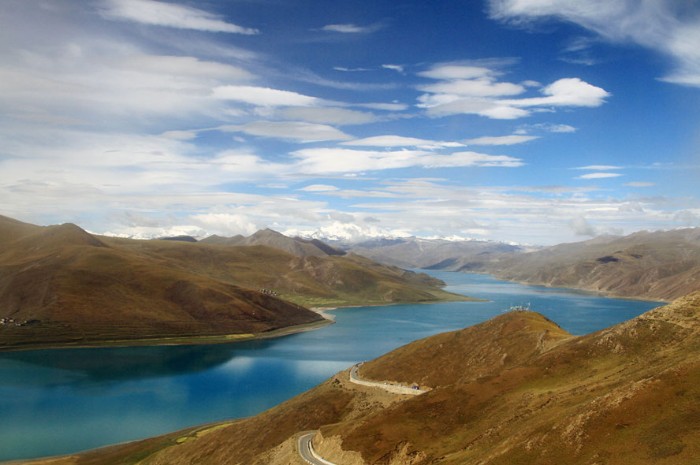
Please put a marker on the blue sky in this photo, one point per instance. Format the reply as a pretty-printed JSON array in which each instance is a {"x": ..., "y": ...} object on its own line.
[{"x": 531, "y": 121}]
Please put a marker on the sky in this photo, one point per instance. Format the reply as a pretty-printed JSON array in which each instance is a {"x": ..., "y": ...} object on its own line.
[{"x": 525, "y": 121}]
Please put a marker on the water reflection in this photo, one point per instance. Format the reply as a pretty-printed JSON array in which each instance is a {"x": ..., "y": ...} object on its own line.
[{"x": 111, "y": 364}]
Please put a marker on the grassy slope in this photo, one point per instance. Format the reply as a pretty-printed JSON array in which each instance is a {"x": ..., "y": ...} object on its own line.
[{"x": 514, "y": 390}]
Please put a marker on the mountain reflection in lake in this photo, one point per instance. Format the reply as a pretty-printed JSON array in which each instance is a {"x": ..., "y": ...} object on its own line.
[{"x": 60, "y": 401}]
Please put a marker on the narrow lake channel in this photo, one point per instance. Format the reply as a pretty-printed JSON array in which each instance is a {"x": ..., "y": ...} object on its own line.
[{"x": 61, "y": 401}]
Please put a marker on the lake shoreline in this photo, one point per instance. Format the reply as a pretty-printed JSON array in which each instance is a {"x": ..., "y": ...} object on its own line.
[
  {"x": 328, "y": 319},
  {"x": 178, "y": 340}
]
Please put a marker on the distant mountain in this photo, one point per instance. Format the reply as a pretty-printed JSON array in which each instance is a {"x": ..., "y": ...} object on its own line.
[
  {"x": 437, "y": 254},
  {"x": 178, "y": 238},
  {"x": 268, "y": 237},
  {"x": 60, "y": 284},
  {"x": 657, "y": 265},
  {"x": 514, "y": 390},
  {"x": 654, "y": 265},
  {"x": 214, "y": 239}
]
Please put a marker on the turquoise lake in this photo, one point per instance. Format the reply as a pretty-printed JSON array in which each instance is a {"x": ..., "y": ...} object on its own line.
[{"x": 61, "y": 401}]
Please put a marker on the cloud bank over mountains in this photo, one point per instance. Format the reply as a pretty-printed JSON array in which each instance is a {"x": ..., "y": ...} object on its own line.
[{"x": 150, "y": 118}]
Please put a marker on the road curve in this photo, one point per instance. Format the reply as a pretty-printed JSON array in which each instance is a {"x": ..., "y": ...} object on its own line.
[
  {"x": 393, "y": 388},
  {"x": 304, "y": 444},
  {"x": 307, "y": 452}
]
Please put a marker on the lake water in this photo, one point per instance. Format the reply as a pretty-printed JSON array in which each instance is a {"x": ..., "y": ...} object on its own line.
[{"x": 61, "y": 401}]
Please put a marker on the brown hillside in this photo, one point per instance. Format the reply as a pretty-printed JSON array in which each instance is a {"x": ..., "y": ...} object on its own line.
[
  {"x": 626, "y": 395},
  {"x": 11, "y": 229},
  {"x": 514, "y": 390},
  {"x": 656, "y": 265},
  {"x": 60, "y": 284}
]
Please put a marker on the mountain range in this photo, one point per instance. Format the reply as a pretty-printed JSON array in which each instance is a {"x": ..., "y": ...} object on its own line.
[
  {"x": 437, "y": 254},
  {"x": 61, "y": 285},
  {"x": 516, "y": 389},
  {"x": 661, "y": 265}
]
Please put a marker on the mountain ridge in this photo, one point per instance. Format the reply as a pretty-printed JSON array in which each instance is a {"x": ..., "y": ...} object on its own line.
[
  {"x": 657, "y": 265},
  {"x": 78, "y": 288}
]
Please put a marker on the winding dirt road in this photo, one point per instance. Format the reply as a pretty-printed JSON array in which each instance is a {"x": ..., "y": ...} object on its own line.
[
  {"x": 389, "y": 387},
  {"x": 305, "y": 445},
  {"x": 307, "y": 452}
]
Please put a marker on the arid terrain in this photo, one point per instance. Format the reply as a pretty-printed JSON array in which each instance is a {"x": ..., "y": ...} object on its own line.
[
  {"x": 515, "y": 389},
  {"x": 61, "y": 285},
  {"x": 660, "y": 265}
]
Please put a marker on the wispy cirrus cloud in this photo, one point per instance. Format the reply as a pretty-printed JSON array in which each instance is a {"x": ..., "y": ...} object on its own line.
[
  {"x": 599, "y": 175},
  {"x": 397, "y": 68},
  {"x": 400, "y": 141},
  {"x": 599, "y": 167},
  {"x": 599, "y": 171},
  {"x": 512, "y": 139},
  {"x": 290, "y": 130},
  {"x": 263, "y": 96},
  {"x": 170, "y": 15},
  {"x": 325, "y": 115},
  {"x": 660, "y": 25},
  {"x": 349, "y": 28}
]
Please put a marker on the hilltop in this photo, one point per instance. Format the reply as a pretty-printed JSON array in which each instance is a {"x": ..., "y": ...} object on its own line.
[
  {"x": 62, "y": 285},
  {"x": 293, "y": 245},
  {"x": 515, "y": 389}
]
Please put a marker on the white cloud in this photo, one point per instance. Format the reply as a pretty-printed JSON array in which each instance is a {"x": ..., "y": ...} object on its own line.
[
  {"x": 599, "y": 175},
  {"x": 294, "y": 130},
  {"x": 640, "y": 184},
  {"x": 661, "y": 25},
  {"x": 397, "y": 68},
  {"x": 455, "y": 106},
  {"x": 322, "y": 161},
  {"x": 351, "y": 28},
  {"x": 347, "y": 231},
  {"x": 560, "y": 128},
  {"x": 394, "y": 106},
  {"x": 688, "y": 217},
  {"x": 400, "y": 141},
  {"x": 343, "y": 69},
  {"x": 512, "y": 139},
  {"x": 462, "y": 159},
  {"x": 452, "y": 72},
  {"x": 170, "y": 15},
  {"x": 476, "y": 90},
  {"x": 228, "y": 223},
  {"x": 263, "y": 96},
  {"x": 319, "y": 188},
  {"x": 182, "y": 67},
  {"x": 599, "y": 167},
  {"x": 327, "y": 115},
  {"x": 581, "y": 227},
  {"x": 566, "y": 92}
]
